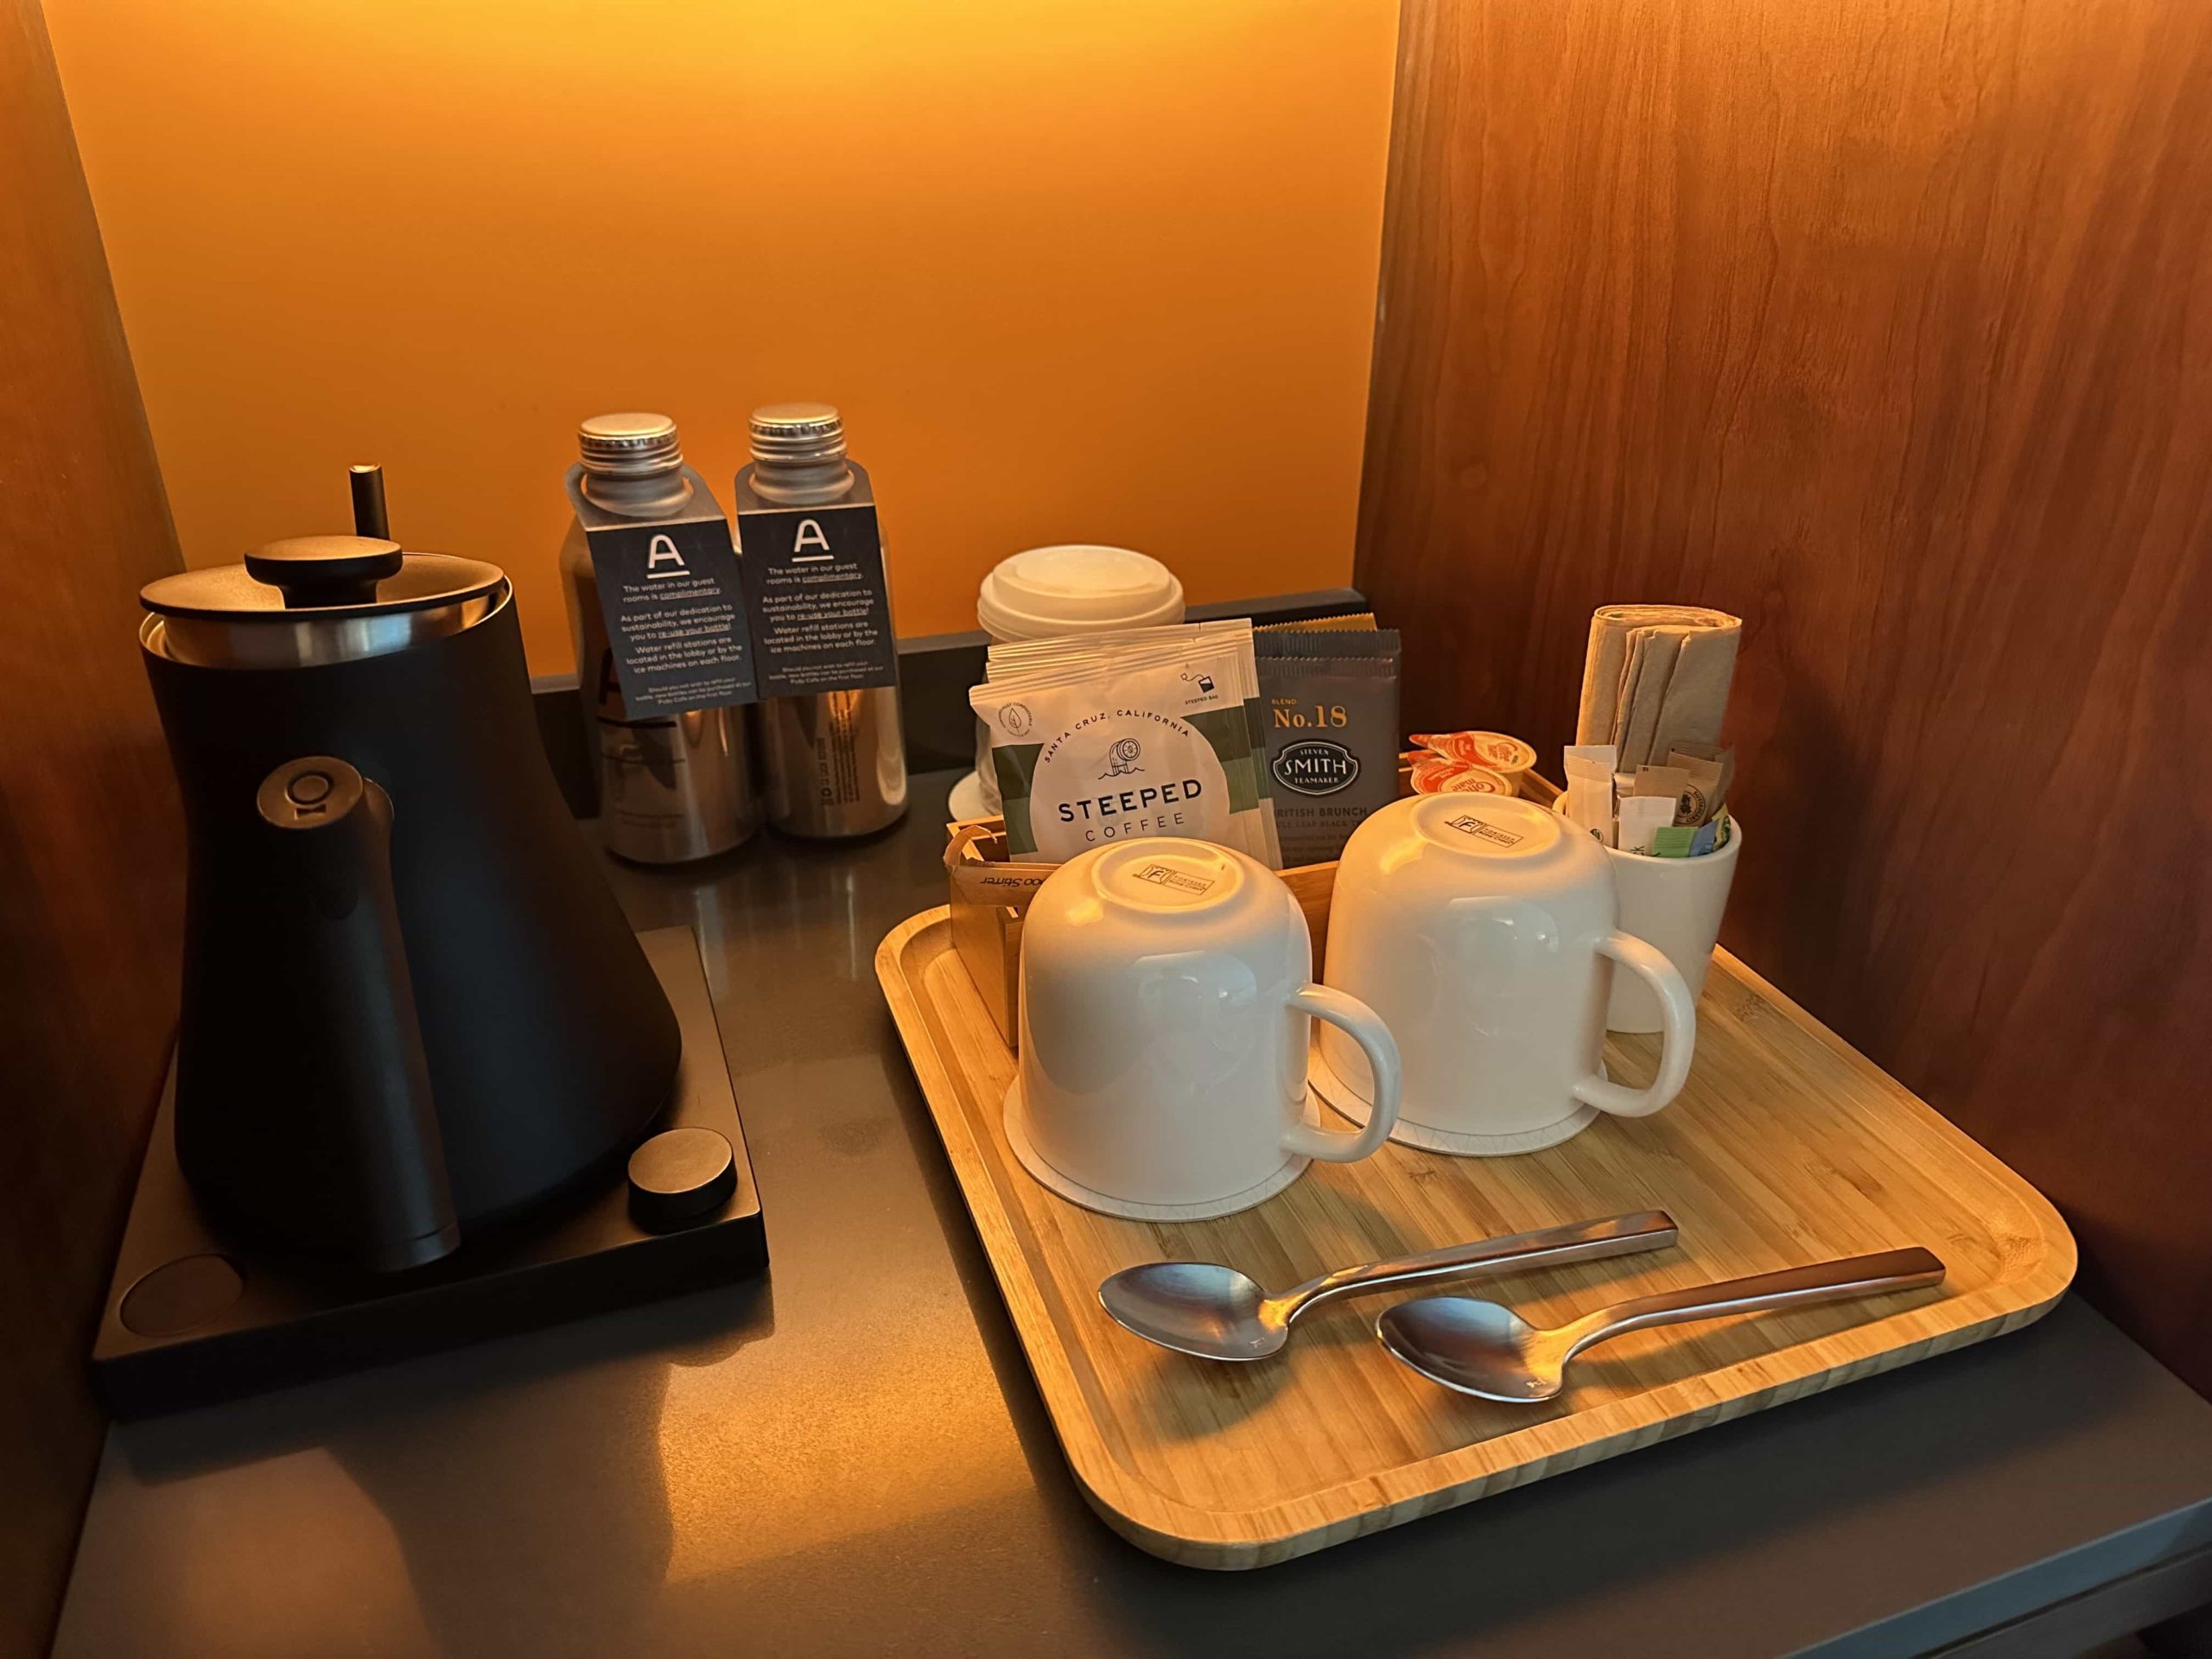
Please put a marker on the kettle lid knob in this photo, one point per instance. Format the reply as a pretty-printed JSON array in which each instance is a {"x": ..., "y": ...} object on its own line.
[{"x": 315, "y": 572}]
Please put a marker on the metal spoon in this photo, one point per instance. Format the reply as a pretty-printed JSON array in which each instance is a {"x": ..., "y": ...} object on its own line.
[
  {"x": 1211, "y": 1312},
  {"x": 1482, "y": 1349}
]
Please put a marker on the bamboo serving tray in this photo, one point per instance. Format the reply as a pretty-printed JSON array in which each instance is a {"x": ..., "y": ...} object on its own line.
[{"x": 1786, "y": 1147}]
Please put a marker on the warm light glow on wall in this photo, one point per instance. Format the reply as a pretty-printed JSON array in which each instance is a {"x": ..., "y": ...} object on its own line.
[{"x": 1075, "y": 271}]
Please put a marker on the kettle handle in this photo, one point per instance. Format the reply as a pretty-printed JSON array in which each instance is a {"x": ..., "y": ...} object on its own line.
[{"x": 337, "y": 942}]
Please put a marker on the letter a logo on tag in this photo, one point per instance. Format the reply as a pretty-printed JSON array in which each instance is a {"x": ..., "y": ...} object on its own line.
[
  {"x": 810, "y": 535},
  {"x": 662, "y": 560}
]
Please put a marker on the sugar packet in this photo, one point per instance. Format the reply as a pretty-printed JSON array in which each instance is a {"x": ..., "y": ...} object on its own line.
[
  {"x": 1641, "y": 818},
  {"x": 1589, "y": 798},
  {"x": 1671, "y": 782},
  {"x": 1709, "y": 770}
]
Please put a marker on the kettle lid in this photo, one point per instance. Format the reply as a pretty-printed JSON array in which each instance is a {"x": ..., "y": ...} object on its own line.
[{"x": 344, "y": 575}]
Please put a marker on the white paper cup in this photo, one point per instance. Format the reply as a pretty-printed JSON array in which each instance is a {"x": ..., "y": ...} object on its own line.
[
  {"x": 1045, "y": 593},
  {"x": 1676, "y": 903}
]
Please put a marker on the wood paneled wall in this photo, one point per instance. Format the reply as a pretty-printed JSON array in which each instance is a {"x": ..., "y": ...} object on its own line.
[
  {"x": 1886, "y": 324},
  {"x": 91, "y": 846}
]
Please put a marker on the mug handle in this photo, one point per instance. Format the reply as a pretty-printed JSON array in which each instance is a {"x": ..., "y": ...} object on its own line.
[
  {"x": 1677, "y": 1032},
  {"x": 1364, "y": 1027}
]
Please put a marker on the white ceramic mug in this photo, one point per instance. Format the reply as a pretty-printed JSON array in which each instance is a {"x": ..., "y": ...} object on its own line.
[
  {"x": 1676, "y": 904},
  {"x": 1481, "y": 928},
  {"x": 1167, "y": 1003}
]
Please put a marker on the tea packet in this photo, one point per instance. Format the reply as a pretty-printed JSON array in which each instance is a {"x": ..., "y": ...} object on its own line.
[
  {"x": 1107, "y": 737},
  {"x": 1330, "y": 695}
]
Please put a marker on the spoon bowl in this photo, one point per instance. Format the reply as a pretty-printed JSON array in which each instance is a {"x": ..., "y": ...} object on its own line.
[
  {"x": 1200, "y": 1308},
  {"x": 1478, "y": 1348},
  {"x": 1493, "y": 1353}
]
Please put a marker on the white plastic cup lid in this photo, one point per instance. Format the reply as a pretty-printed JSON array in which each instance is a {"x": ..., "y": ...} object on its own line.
[{"x": 1044, "y": 592}]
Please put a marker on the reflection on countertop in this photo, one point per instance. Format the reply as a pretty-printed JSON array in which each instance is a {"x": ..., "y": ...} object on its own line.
[
  {"x": 553, "y": 1492},
  {"x": 848, "y": 1456}
]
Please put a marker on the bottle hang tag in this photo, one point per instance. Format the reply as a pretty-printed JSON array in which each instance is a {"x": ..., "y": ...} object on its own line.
[
  {"x": 673, "y": 597},
  {"x": 817, "y": 594}
]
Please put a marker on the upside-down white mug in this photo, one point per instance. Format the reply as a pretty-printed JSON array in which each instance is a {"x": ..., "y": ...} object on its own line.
[
  {"x": 1481, "y": 928},
  {"x": 1166, "y": 1002}
]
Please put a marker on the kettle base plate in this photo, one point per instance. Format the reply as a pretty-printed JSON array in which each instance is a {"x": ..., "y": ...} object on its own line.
[{"x": 289, "y": 1321}]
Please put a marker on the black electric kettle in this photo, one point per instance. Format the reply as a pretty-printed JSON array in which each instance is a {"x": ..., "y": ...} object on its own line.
[{"x": 412, "y": 1009}]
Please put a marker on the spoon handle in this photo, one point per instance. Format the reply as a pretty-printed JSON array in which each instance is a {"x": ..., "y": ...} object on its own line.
[
  {"x": 1582, "y": 1241},
  {"x": 1823, "y": 1281}
]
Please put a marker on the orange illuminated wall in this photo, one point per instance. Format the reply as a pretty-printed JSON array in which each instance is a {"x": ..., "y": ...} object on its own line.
[{"x": 1076, "y": 269}]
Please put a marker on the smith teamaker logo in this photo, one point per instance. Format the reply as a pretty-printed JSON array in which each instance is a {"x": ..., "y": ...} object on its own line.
[{"x": 1316, "y": 767}]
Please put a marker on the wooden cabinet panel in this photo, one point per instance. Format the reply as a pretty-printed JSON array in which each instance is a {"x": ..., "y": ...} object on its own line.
[
  {"x": 1887, "y": 325},
  {"x": 91, "y": 844}
]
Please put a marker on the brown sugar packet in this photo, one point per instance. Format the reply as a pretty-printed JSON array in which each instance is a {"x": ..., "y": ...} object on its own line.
[
  {"x": 1711, "y": 769},
  {"x": 1673, "y": 782}
]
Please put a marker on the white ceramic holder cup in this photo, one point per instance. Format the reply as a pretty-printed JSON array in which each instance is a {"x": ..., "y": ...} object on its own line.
[
  {"x": 1676, "y": 903},
  {"x": 1483, "y": 929},
  {"x": 1167, "y": 1010}
]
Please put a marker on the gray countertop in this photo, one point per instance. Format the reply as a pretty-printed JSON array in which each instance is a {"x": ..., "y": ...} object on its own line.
[{"x": 848, "y": 1456}]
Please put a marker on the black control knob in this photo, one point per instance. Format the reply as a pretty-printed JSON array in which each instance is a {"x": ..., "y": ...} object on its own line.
[{"x": 680, "y": 1176}]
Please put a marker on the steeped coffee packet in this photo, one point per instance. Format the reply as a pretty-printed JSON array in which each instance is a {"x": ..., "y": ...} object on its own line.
[
  {"x": 1331, "y": 695},
  {"x": 1106, "y": 737}
]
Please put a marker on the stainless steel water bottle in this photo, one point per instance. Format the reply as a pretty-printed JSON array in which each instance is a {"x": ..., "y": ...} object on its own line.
[
  {"x": 671, "y": 787},
  {"x": 834, "y": 763}
]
